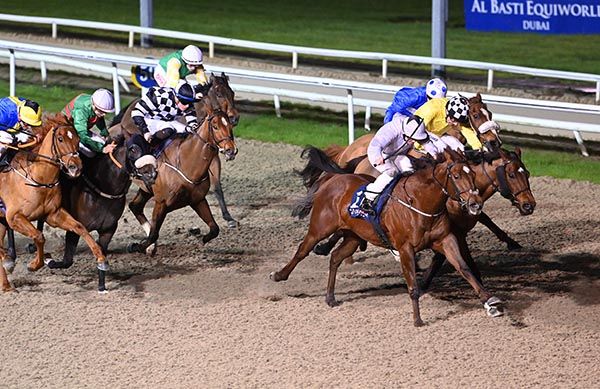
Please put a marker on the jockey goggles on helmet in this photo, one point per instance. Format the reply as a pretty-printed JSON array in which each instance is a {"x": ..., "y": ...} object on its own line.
[{"x": 185, "y": 93}]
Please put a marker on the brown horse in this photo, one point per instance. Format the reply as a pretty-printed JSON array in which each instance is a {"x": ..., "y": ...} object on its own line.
[
  {"x": 503, "y": 172},
  {"x": 221, "y": 97},
  {"x": 30, "y": 191},
  {"x": 183, "y": 179},
  {"x": 415, "y": 218}
]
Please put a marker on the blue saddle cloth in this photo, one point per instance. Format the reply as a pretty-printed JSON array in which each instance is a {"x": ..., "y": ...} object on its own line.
[
  {"x": 356, "y": 212},
  {"x": 2, "y": 206},
  {"x": 163, "y": 146}
]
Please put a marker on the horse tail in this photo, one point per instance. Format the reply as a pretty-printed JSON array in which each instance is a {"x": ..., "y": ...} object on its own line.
[
  {"x": 353, "y": 163},
  {"x": 318, "y": 162},
  {"x": 119, "y": 117},
  {"x": 302, "y": 207}
]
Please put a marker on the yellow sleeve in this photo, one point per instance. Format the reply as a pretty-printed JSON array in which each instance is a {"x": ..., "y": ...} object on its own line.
[
  {"x": 201, "y": 76},
  {"x": 471, "y": 136},
  {"x": 434, "y": 115},
  {"x": 173, "y": 67}
]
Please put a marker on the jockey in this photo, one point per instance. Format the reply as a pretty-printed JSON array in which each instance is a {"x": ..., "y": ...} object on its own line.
[
  {"x": 156, "y": 114},
  {"x": 407, "y": 100},
  {"x": 439, "y": 115},
  {"x": 17, "y": 116},
  {"x": 387, "y": 153},
  {"x": 85, "y": 112},
  {"x": 173, "y": 68}
]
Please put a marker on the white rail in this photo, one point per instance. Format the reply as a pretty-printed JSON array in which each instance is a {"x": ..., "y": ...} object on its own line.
[
  {"x": 43, "y": 54},
  {"x": 385, "y": 58}
]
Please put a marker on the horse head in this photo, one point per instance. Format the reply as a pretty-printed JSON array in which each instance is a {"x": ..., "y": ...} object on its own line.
[
  {"x": 60, "y": 139},
  {"x": 458, "y": 180},
  {"x": 223, "y": 97},
  {"x": 480, "y": 119},
  {"x": 217, "y": 131},
  {"x": 513, "y": 181}
]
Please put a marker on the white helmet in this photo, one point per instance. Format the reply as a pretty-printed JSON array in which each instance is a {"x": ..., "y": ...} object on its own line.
[
  {"x": 414, "y": 128},
  {"x": 192, "y": 55},
  {"x": 103, "y": 100},
  {"x": 436, "y": 88}
]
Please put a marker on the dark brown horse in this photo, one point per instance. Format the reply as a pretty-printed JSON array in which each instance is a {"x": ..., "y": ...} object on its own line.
[
  {"x": 183, "y": 178},
  {"x": 30, "y": 191},
  {"x": 414, "y": 219}
]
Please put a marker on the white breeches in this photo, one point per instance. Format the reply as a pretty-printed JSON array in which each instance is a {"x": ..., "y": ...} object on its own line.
[
  {"x": 155, "y": 125},
  {"x": 86, "y": 150}
]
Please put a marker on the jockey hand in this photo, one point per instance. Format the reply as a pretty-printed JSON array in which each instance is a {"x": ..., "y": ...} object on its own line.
[
  {"x": 378, "y": 161},
  {"x": 109, "y": 148},
  {"x": 148, "y": 137}
]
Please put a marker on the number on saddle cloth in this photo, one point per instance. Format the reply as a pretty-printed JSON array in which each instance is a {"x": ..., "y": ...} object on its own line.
[{"x": 143, "y": 76}]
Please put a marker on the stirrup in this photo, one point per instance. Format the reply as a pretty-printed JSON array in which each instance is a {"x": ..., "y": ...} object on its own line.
[{"x": 368, "y": 206}]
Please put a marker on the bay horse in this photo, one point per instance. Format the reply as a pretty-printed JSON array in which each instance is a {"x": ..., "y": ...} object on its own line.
[
  {"x": 415, "y": 218},
  {"x": 501, "y": 171},
  {"x": 220, "y": 96},
  {"x": 183, "y": 179},
  {"x": 30, "y": 191},
  {"x": 480, "y": 120}
]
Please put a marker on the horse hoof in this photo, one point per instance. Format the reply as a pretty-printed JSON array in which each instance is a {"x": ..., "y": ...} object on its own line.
[
  {"x": 9, "y": 266},
  {"x": 103, "y": 291},
  {"x": 151, "y": 250},
  {"x": 513, "y": 246},
  {"x": 332, "y": 302},
  {"x": 132, "y": 248},
  {"x": 233, "y": 223},
  {"x": 321, "y": 249},
  {"x": 195, "y": 231},
  {"x": 9, "y": 289},
  {"x": 419, "y": 323},
  {"x": 31, "y": 248},
  {"x": 493, "y": 308},
  {"x": 275, "y": 276},
  {"x": 104, "y": 266}
]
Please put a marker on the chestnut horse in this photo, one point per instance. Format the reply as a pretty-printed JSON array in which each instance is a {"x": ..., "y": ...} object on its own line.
[
  {"x": 503, "y": 172},
  {"x": 183, "y": 178},
  {"x": 30, "y": 191},
  {"x": 415, "y": 218},
  {"x": 220, "y": 96}
]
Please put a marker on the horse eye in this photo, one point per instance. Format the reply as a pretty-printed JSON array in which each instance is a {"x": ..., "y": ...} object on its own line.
[
  {"x": 511, "y": 175},
  {"x": 60, "y": 139},
  {"x": 456, "y": 176}
]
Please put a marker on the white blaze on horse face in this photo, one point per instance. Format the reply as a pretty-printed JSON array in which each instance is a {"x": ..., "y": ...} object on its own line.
[
  {"x": 70, "y": 134},
  {"x": 224, "y": 121},
  {"x": 521, "y": 170},
  {"x": 466, "y": 169}
]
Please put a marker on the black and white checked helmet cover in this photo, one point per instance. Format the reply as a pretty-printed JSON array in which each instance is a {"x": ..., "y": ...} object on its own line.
[{"x": 458, "y": 109}]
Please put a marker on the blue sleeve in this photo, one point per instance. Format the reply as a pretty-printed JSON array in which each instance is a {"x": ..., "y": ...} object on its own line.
[{"x": 406, "y": 101}]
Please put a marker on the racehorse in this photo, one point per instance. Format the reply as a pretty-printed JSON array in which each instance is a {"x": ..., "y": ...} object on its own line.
[
  {"x": 220, "y": 96},
  {"x": 501, "y": 171},
  {"x": 30, "y": 191},
  {"x": 415, "y": 218},
  {"x": 183, "y": 178},
  {"x": 480, "y": 120}
]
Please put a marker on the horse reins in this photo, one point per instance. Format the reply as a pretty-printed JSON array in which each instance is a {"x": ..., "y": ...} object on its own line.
[{"x": 502, "y": 186}]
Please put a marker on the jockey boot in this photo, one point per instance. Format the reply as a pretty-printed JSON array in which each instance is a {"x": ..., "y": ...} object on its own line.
[
  {"x": 6, "y": 159},
  {"x": 164, "y": 133},
  {"x": 372, "y": 192},
  {"x": 368, "y": 206}
]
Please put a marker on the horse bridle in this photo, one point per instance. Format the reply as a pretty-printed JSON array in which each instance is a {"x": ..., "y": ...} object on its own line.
[
  {"x": 449, "y": 177},
  {"x": 502, "y": 186},
  {"x": 214, "y": 142}
]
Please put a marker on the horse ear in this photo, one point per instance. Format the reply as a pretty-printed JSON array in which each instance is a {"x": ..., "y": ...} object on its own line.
[
  {"x": 518, "y": 151},
  {"x": 478, "y": 96},
  {"x": 212, "y": 77},
  {"x": 224, "y": 76}
]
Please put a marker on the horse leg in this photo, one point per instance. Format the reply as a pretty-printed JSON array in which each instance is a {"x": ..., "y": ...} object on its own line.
[
  {"x": 511, "y": 244},
  {"x": 148, "y": 245},
  {"x": 325, "y": 248},
  {"x": 449, "y": 246},
  {"x": 203, "y": 210},
  {"x": 432, "y": 270},
  {"x": 313, "y": 236},
  {"x": 137, "y": 208},
  {"x": 346, "y": 249},
  {"x": 8, "y": 257},
  {"x": 62, "y": 219},
  {"x": 466, "y": 254},
  {"x": 19, "y": 223},
  {"x": 71, "y": 241},
  {"x": 409, "y": 271},
  {"x": 6, "y": 286},
  {"x": 215, "y": 183},
  {"x": 105, "y": 237}
]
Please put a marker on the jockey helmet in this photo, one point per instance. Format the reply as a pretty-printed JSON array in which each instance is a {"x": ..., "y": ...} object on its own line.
[
  {"x": 185, "y": 93},
  {"x": 436, "y": 88},
  {"x": 30, "y": 113},
  {"x": 414, "y": 128},
  {"x": 192, "y": 55},
  {"x": 103, "y": 100},
  {"x": 457, "y": 108}
]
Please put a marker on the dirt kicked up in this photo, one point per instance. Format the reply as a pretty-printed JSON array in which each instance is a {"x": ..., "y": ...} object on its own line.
[{"x": 209, "y": 316}]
